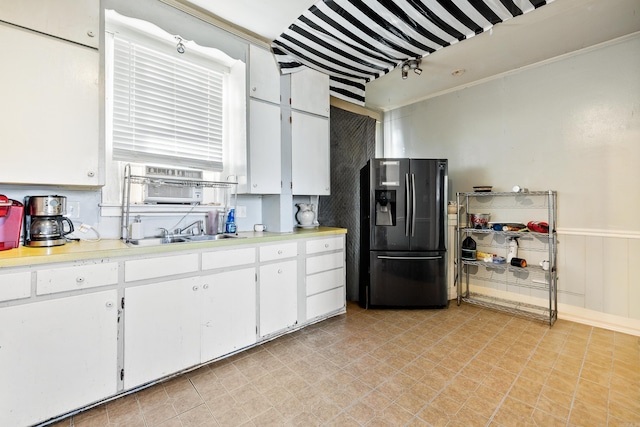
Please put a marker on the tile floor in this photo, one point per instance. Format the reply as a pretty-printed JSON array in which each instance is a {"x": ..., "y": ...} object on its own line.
[{"x": 464, "y": 366}]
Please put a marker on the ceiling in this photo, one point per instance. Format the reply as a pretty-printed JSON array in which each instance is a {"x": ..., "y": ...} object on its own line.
[{"x": 557, "y": 28}]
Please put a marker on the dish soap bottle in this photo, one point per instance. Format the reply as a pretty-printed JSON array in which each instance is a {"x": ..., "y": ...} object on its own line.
[{"x": 230, "y": 225}]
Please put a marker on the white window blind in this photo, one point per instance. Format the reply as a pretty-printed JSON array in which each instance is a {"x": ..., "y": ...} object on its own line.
[{"x": 166, "y": 109}]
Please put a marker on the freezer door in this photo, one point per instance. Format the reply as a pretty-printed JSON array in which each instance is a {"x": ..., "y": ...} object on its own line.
[
  {"x": 408, "y": 279},
  {"x": 428, "y": 222},
  {"x": 388, "y": 197}
]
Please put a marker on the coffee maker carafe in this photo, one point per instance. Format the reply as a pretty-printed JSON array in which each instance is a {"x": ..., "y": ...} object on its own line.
[{"x": 45, "y": 221}]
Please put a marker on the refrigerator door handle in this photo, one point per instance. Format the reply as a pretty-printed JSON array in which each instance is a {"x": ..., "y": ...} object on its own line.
[
  {"x": 413, "y": 204},
  {"x": 407, "y": 226},
  {"x": 409, "y": 257}
]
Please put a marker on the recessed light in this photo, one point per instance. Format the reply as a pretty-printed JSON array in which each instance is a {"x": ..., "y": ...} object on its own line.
[{"x": 459, "y": 72}]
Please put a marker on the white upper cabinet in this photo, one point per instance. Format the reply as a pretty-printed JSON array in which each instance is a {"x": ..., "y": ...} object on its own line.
[
  {"x": 263, "y": 150},
  {"x": 264, "y": 76},
  {"x": 74, "y": 20},
  {"x": 310, "y": 92},
  {"x": 310, "y": 174},
  {"x": 49, "y": 122}
]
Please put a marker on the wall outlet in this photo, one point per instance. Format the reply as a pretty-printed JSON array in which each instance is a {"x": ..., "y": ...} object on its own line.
[
  {"x": 241, "y": 211},
  {"x": 73, "y": 210}
]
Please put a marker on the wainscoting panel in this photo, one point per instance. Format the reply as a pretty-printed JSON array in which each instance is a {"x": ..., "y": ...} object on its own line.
[{"x": 599, "y": 273}]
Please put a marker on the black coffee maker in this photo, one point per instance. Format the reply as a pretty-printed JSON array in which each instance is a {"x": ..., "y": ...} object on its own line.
[{"x": 45, "y": 222}]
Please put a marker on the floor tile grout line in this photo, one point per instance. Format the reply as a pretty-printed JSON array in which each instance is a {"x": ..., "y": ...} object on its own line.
[
  {"x": 575, "y": 390},
  {"x": 572, "y": 338},
  {"x": 434, "y": 344},
  {"x": 506, "y": 394}
]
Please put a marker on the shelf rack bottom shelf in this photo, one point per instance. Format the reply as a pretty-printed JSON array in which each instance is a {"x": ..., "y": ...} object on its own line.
[{"x": 514, "y": 307}]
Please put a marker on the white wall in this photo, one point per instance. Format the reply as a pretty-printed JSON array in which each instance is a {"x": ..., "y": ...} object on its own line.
[{"x": 570, "y": 125}]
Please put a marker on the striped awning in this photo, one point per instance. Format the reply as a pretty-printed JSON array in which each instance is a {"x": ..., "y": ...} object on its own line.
[{"x": 357, "y": 41}]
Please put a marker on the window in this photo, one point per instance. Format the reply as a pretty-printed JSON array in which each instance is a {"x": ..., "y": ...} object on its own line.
[{"x": 166, "y": 109}]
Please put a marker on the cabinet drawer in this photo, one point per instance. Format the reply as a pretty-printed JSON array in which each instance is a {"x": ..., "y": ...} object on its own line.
[
  {"x": 288, "y": 250},
  {"x": 323, "y": 245},
  {"x": 324, "y": 281},
  {"x": 141, "y": 269},
  {"x": 320, "y": 263},
  {"x": 326, "y": 302},
  {"x": 77, "y": 277},
  {"x": 228, "y": 258},
  {"x": 15, "y": 286}
]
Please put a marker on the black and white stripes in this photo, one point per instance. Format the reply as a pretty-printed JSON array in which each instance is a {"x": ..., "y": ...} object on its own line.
[{"x": 356, "y": 41}]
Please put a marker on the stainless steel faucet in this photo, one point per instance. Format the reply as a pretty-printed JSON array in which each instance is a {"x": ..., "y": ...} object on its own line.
[{"x": 196, "y": 227}]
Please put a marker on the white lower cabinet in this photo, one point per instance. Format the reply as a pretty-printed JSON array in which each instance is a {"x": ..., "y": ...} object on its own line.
[
  {"x": 228, "y": 312},
  {"x": 56, "y": 356},
  {"x": 278, "y": 296},
  {"x": 326, "y": 302},
  {"x": 62, "y": 354},
  {"x": 325, "y": 276},
  {"x": 162, "y": 329}
]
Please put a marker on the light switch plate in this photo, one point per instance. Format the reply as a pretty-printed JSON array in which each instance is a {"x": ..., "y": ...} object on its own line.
[{"x": 73, "y": 210}]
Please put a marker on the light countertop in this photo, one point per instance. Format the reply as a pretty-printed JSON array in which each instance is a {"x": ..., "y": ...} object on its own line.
[{"x": 109, "y": 248}]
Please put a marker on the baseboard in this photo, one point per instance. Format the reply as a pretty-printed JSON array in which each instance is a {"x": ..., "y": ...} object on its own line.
[
  {"x": 599, "y": 319},
  {"x": 572, "y": 313}
]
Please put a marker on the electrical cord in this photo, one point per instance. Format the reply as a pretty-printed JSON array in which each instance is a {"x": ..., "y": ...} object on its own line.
[{"x": 84, "y": 228}]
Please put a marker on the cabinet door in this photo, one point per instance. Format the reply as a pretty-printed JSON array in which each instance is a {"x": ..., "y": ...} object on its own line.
[
  {"x": 57, "y": 356},
  {"x": 49, "y": 114},
  {"x": 162, "y": 330},
  {"x": 264, "y": 158},
  {"x": 310, "y": 92},
  {"x": 228, "y": 312},
  {"x": 264, "y": 76},
  {"x": 68, "y": 19},
  {"x": 310, "y": 173},
  {"x": 278, "y": 296}
]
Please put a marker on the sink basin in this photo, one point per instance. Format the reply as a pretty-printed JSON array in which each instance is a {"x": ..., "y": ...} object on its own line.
[
  {"x": 181, "y": 239},
  {"x": 148, "y": 241},
  {"x": 172, "y": 239},
  {"x": 204, "y": 237}
]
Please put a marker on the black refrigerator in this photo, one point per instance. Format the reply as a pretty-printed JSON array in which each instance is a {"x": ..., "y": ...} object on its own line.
[{"x": 403, "y": 254}]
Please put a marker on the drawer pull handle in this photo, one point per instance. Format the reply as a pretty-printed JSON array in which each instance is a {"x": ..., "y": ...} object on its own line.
[
  {"x": 279, "y": 271},
  {"x": 280, "y": 252},
  {"x": 205, "y": 286},
  {"x": 326, "y": 245},
  {"x": 79, "y": 280},
  {"x": 109, "y": 304},
  {"x": 195, "y": 288}
]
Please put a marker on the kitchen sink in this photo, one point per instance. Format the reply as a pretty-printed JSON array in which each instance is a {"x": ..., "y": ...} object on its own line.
[
  {"x": 207, "y": 237},
  {"x": 172, "y": 239},
  {"x": 147, "y": 241}
]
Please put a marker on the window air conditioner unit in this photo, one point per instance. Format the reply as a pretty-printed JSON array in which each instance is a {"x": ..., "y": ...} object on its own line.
[{"x": 172, "y": 186}]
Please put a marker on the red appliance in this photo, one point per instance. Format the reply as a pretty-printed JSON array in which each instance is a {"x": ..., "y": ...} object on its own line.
[{"x": 11, "y": 212}]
